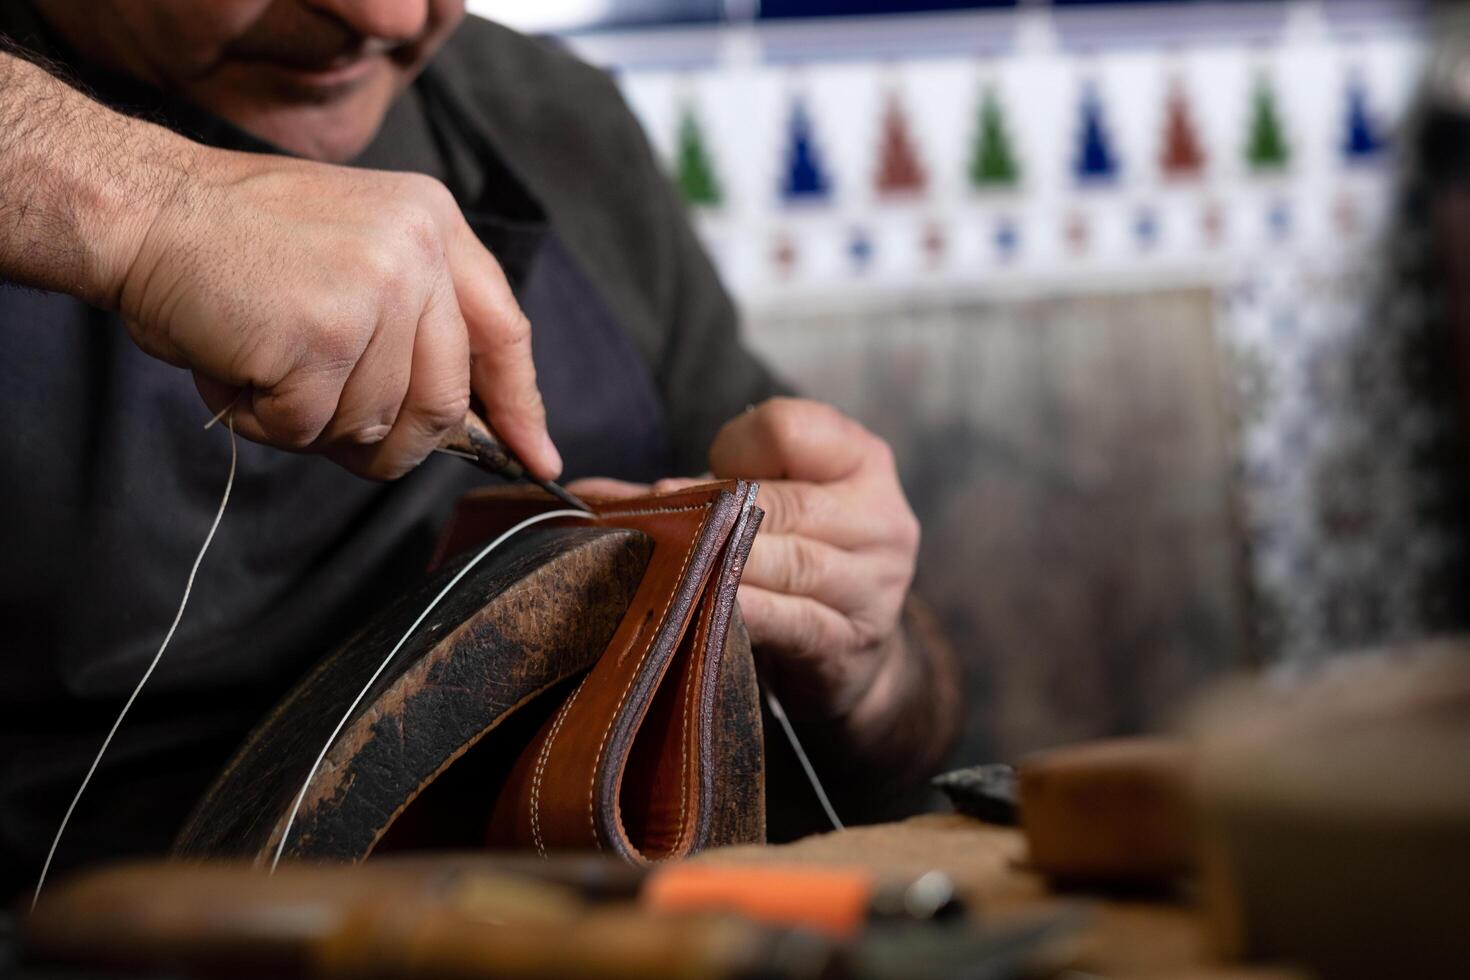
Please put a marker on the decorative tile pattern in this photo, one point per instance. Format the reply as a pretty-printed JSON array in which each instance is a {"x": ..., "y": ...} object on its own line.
[{"x": 1348, "y": 449}]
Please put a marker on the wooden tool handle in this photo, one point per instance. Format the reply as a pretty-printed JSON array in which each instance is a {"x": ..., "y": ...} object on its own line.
[
  {"x": 832, "y": 901},
  {"x": 473, "y": 436}
]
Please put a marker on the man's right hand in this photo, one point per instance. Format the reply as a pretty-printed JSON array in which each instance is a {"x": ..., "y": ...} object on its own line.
[
  {"x": 354, "y": 310},
  {"x": 344, "y": 311}
]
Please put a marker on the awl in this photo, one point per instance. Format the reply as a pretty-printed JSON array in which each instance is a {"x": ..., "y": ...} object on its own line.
[{"x": 474, "y": 441}]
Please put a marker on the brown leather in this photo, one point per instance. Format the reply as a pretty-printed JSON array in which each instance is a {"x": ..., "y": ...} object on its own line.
[
  {"x": 628, "y": 763},
  {"x": 422, "y": 753},
  {"x": 587, "y": 685}
]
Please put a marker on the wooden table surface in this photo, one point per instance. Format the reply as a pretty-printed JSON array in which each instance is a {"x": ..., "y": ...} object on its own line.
[{"x": 1122, "y": 938}]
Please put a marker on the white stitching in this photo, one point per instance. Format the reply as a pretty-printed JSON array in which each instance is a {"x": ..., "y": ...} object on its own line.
[
  {"x": 652, "y": 510},
  {"x": 561, "y": 716},
  {"x": 684, "y": 743}
]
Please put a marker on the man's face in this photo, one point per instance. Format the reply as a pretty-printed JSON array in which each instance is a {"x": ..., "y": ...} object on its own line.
[{"x": 312, "y": 76}]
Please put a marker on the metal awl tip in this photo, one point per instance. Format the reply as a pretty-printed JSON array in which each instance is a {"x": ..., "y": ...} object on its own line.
[{"x": 562, "y": 494}]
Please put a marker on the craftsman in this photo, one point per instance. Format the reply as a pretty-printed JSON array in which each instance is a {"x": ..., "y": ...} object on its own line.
[{"x": 344, "y": 217}]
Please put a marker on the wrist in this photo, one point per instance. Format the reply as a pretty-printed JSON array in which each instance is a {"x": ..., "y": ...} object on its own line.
[
  {"x": 871, "y": 713},
  {"x": 132, "y": 213}
]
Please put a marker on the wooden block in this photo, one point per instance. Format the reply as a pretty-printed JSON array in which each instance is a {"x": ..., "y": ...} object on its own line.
[
  {"x": 1112, "y": 810},
  {"x": 1335, "y": 816}
]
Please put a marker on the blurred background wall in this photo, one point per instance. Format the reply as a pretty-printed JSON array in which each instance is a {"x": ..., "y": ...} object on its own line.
[{"x": 1139, "y": 292}]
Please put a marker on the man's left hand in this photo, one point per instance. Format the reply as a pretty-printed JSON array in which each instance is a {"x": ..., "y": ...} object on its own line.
[{"x": 827, "y": 577}]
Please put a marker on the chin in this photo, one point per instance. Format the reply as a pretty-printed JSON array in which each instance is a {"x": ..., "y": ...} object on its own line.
[
  {"x": 325, "y": 135},
  {"x": 330, "y": 124}
]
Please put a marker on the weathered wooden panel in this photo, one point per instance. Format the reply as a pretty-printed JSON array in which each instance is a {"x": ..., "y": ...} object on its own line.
[{"x": 1071, "y": 462}]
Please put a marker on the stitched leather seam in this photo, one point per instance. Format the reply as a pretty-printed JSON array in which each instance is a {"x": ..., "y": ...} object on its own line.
[
  {"x": 602, "y": 743},
  {"x": 684, "y": 744},
  {"x": 653, "y": 510},
  {"x": 561, "y": 716}
]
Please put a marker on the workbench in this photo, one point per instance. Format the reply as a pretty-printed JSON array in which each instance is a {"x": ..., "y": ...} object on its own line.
[
  {"x": 1115, "y": 936},
  {"x": 1122, "y": 936}
]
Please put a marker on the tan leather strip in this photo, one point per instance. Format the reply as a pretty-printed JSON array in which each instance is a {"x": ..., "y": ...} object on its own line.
[
  {"x": 619, "y": 676},
  {"x": 690, "y": 759},
  {"x": 722, "y": 600},
  {"x": 541, "y": 759},
  {"x": 562, "y": 792}
]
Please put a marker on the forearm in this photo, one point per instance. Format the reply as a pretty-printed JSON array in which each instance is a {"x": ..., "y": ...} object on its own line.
[{"x": 78, "y": 184}]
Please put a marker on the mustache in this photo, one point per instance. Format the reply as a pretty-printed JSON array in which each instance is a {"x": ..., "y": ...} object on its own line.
[{"x": 319, "y": 44}]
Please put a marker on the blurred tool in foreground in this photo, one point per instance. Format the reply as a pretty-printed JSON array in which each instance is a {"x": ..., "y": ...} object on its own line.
[
  {"x": 1324, "y": 817},
  {"x": 484, "y": 916}
]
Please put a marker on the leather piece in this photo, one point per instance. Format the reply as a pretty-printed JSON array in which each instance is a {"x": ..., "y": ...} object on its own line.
[
  {"x": 588, "y": 685},
  {"x": 737, "y": 811},
  {"x": 631, "y": 761},
  {"x": 728, "y": 687},
  {"x": 529, "y": 617}
]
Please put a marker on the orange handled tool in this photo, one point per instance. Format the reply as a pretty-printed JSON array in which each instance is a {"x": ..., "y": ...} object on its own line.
[{"x": 834, "y": 901}]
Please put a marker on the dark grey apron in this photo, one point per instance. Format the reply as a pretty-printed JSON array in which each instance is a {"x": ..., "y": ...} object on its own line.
[{"x": 588, "y": 369}]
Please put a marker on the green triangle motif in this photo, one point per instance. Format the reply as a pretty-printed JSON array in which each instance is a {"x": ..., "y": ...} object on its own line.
[
  {"x": 994, "y": 161},
  {"x": 694, "y": 170},
  {"x": 1266, "y": 148}
]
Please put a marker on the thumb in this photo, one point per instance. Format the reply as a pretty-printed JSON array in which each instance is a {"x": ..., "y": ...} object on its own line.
[{"x": 606, "y": 488}]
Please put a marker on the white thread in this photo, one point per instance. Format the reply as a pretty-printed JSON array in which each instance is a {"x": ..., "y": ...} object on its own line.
[
  {"x": 347, "y": 715},
  {"x": 188, "y": 588},
  {"x": 456, "y": 452},
  {"x": 221, "y": 414},
  {"x": 779, "y": 713}
]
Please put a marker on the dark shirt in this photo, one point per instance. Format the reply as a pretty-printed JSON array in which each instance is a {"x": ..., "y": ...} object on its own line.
[{"x": 110, "y": 482}]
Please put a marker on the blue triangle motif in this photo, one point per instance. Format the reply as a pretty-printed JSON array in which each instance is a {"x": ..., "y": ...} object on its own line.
[
  {"x": 805, "y": 178},
  {"x": 1363, "y": 141},
  {"x": 1096, "y": 162}
]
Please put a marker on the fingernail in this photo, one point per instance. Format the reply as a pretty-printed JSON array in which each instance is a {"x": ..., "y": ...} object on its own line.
[{"x": 372, "y": 435}]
